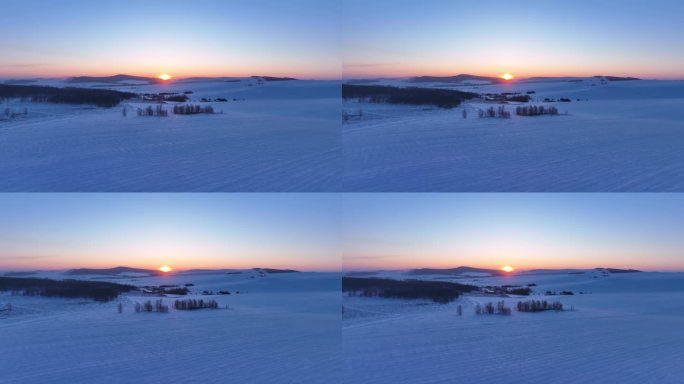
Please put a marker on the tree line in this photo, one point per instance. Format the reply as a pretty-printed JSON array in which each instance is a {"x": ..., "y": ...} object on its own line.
[
  {"x": 437, "y": 291},
  {"x": 96, "y": 290},
  {"x": 41, "y": 94},
  {"x": 442, "y": 98},
  {"x": 500, "y": 307}
]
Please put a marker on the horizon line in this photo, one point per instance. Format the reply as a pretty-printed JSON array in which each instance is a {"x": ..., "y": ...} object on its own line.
[
  {"x": 21, "y": 269},
  {"x": 368, "y": 269},
  {"x": 174, "y": 77},
  {"x": 405, "y": 76}
]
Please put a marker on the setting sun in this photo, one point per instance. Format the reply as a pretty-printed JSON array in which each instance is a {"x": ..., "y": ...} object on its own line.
[
  {"x": 165, "y": 76},
  {"x": 166, "y": 269},
  {"x": 508, "y": 269},
  {"x": 507, "y": 76}
]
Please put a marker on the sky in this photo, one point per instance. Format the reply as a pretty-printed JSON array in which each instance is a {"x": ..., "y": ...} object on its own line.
[
  {"x": 526, "y": 231},
  {"x": 48, "y": 38},
  {"x": 397, "y": 38},
  {"x": 184, "y": 231}
]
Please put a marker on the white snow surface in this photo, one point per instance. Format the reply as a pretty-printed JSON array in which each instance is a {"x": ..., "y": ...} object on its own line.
[
  {"x": 276, "y": 137},
  {"x": 620, "y": 136},
  {"x": 281, "y": 328},
  {"x": 625, "y": 328}
]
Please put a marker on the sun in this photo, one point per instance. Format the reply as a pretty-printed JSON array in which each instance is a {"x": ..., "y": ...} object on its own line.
[
  {"x": 165, "y": 76},
  {"x": 507, "y": 76},
  {"x": 166, "y": 269},
  {"x": 508, "y": 269}
]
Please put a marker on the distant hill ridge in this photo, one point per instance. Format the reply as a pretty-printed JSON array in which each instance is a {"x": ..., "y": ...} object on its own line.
[
  {"x": 273, "y": 270},
  {"x": 617, "y": 270},
  {"x": 616, "y": 78},
  {"x": 111, "y": 271},
  {"x": 453, "y": 79},
  {"x": 453, "y": 271},
  {"x": 112, "y": 79},
  {"x": 271, "y": 78}
]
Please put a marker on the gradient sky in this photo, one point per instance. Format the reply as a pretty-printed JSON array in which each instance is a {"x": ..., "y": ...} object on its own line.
[
  {"x": 400, "y": 231},
  {"x": 396, "y": 38},
  {"x": 182, "y": 37},
  {"x": 57, "y": 231}
]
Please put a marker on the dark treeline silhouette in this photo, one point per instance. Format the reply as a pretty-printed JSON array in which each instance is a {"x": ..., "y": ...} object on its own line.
[
  {"x": 192, "y": 304},
  {"x": 506, "y": 97},
  {"x": 564, "y": 293},
  {"x": 539, "y": 306},
  {"x": 165, "y": 289},
  {"x": 39, "y": 94},
  {"x": 536, "y": 110},
  {"x": 271, "y": 78},
  {"x": 96, "y": 290},
  {"x": 437, "y": 291},
  {"x": 523, "y": 291},
  {"x": 443, "y": 98},
  {"x": 165, "y": 96},
  {"x": 617, "y": 78},
  {"x": 177, "y": 291},
  {"x": 273, "y": 270},
  {"x": 616, "y": 270},
  {"x": 191, "y": 109}
]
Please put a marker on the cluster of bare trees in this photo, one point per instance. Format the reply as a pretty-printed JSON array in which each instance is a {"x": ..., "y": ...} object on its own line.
[
  {"x": 159, "y": 111},
  {"x": 499, "y": 112},
  {"x": 346, "y": 116},
  {"x": 191, "y": 109},
  {"x": 536, "y": 110},
  {"x": 11, "y": 113},
  {"x": 490, "y": 309},
  {"x": 500, "y": 308},
  {"x": 191, "y": 304},
  {"x": 6, "y": 310},
  {"x": 149, "y": 111},
  {"x": 180, "y": 305},
  {"x": 147, "y": 306},
  {"x": 539, "y": 306}
]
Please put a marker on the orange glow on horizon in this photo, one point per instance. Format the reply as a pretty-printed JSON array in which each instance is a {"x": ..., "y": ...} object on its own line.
[
  {"x": 507, "y": 76},
  {"x": 165, "y": 77},
  {"x": 165, "y": 269},
  {"x": 507, "y": 269}
]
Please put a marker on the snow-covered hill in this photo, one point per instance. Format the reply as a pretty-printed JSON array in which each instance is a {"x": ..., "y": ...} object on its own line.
[
  {"x": 619, "y": 136},
  {"x": 281, "y": 328},
  {"x": 625, "y": 328},
  {"x": 267, "y": 136}
]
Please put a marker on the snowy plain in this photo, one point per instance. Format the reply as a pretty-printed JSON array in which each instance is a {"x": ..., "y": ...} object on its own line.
[
  {"x": 625, "y": 328},
  {"x": 620, "y": 136},
  {"x": 269, "y": 137},
  {"x": 280, "y": 328}
]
